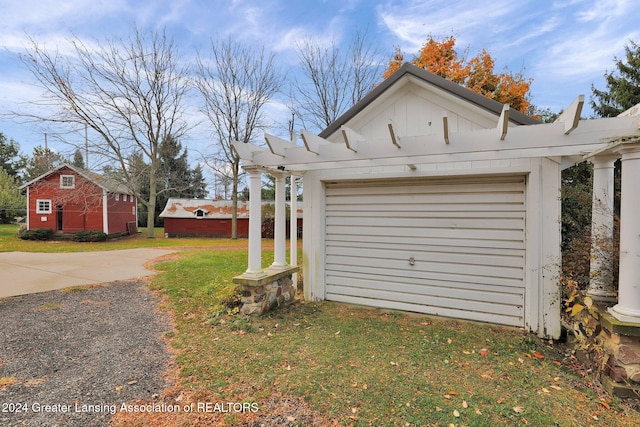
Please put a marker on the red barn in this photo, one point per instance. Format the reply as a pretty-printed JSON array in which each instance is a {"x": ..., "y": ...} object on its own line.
[
  {"x": 211, "y": 218},
  {"x": 200, "y": 217},
  {"x": 68, "y": 199}
]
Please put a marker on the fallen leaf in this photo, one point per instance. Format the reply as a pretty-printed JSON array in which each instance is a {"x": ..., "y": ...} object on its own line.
[
  {"x": 456, "y": 413},
  {"x": 576, "y": 308},
  {"x": 484, "y": 352},
  {"x": 537, "y": 355},
  {"x": 393, "y": 363},
  {"x": 524, "y": 421},
  {"x": 544, "y": 390},
  {"x": 449, "y": 341},
  {"x": 132, "y": 382},
  {"x": 290, "y": 418},
  {"x": 465, "y": 405},
  {"x": 438, "y": 409},
  {"x": 354, "y": 410},
  {"x": 605, "y": 404},
  {"x": 518, "y": 409},
  {"x": 520, "y": 359},
  {"x": 453, "y": 393},
  {"x": 337, "y": 333},
  {"x": 555, "y": 387},
  {"x": 478, "y": 411},
  {"x": 466, "y": 352},
  {"x": 588, "y": 301}
]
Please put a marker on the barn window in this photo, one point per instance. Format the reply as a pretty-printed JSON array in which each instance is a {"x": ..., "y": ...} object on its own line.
[
  {"x": 117, "y": 197},
  {"x": 67, "y": 181},
  {"x": 43, "y": 206},
  {"x": 200, "y": 213}
]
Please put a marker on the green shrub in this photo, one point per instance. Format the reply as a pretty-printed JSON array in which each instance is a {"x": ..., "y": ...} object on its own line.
[
  {"x": 36, "y": 234},
  {"x": 89, "y": 236}
]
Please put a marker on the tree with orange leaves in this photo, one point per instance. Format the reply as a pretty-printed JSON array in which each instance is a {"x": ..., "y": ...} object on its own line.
[{"x": 476, "y": 74}]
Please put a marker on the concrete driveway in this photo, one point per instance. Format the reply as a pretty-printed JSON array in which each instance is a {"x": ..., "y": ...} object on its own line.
[{"x": 26, "y": 272}]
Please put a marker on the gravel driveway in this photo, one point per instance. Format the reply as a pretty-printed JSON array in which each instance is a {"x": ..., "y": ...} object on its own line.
[{"x": 71, "y": 358}]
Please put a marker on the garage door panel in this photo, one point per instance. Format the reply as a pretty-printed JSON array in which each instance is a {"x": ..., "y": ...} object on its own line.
[
  {"x": 415, "y": 241},
  {"x": 494, "y": 317},
  {"x": 384, "y": 274},
  {"x": 427, "y": 266},
  {"x": 425, "y": 256},
  {"x": 506, "y": 310},
  {"x": 400, "y": 198},
  {"x": 458, "y": 223},
  {"x": 446, "y": 186},
  {"x": 466, "y": 238},
  {"x": 445, "y": 233},
  {"x": 497, "y": 294}
]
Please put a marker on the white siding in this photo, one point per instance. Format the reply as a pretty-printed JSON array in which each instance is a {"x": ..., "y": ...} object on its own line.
[{"x": 465, "y": 235}]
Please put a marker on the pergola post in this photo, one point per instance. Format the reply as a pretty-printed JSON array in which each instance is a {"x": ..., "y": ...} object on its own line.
[
  {"x": 628, "y": 307},
  {"x": 602, "y": 223},
  {"x": 293, "y": 227},
  {"x": 254, "y": 269},
  {"x": 280, "y": 223}
]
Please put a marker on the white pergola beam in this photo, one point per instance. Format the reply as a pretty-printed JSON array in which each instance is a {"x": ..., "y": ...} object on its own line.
[
  {"x": 541, "y": 140},
  {"x": 503, "y": 121},
  {"x": 312, "y": 142},
  {"x": 571, "y": 116},
  {"x": 278, "y": 146},
  {"x": 445, "y": 126},
  {"x": 351, "y": 138},
  {"x": 393, "y": 132},
  {"x": 246, "y": 151}
]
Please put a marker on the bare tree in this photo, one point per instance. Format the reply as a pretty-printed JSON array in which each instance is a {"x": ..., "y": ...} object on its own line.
[
  {"x": 332, "y": 80},
  {"x": 236, "y": 84},
  {"x": 129, "y": 91}
]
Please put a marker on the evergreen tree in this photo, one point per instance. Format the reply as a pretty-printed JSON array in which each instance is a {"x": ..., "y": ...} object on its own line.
[
  {"x": 10, "y": 158},
  {"x": 78, "y": 159},
  {"x": 197, "y": 184},
  {"x": 623, "y": 88},
  {"x": 12, "y": 202},
  {"x": 42, "y": 161}
]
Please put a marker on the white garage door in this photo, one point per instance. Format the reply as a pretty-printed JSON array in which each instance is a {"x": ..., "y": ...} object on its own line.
[{"x": 450, "y": 247}]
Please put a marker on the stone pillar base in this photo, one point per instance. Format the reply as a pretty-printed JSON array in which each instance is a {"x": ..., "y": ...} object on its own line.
[
  {"x": 261, "y": 294},
  {"x": 621, "y": 341}
]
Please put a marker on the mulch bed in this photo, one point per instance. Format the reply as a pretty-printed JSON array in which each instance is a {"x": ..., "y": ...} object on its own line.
[{"x": 72, "y": 357}]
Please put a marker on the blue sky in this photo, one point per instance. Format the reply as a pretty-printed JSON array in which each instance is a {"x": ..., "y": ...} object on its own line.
[{"x": 564, "y": 45}]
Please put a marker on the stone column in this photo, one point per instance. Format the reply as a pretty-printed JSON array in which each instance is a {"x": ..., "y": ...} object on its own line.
[
  {"x": 255, "y": 224},
  {"x": 602, "y": 223},
  {"x": 280, "y": 223},
  {"x": 628, "y": 307}
]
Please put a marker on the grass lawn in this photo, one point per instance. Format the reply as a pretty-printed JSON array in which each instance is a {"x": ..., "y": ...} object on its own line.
[
  {"x": 366, "y": 367},
  {"x": 9, "y": 242},
  {"x": 333, "y": 364}
]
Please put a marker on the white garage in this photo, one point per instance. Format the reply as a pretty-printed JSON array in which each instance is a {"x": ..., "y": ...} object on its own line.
[
  {"x": 430, "y": 198},
  {"x": 452, "y": 247}
]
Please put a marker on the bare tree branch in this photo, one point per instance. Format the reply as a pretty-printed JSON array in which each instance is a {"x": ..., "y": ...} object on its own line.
[
  {"x": 332, "y": 80},
  {"x": 236, "y": 84}
]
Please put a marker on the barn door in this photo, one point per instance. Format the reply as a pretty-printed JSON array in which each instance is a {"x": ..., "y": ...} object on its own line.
[
  {"x": 450, "y": 247},
  {"x": 59, "y": 220}
]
